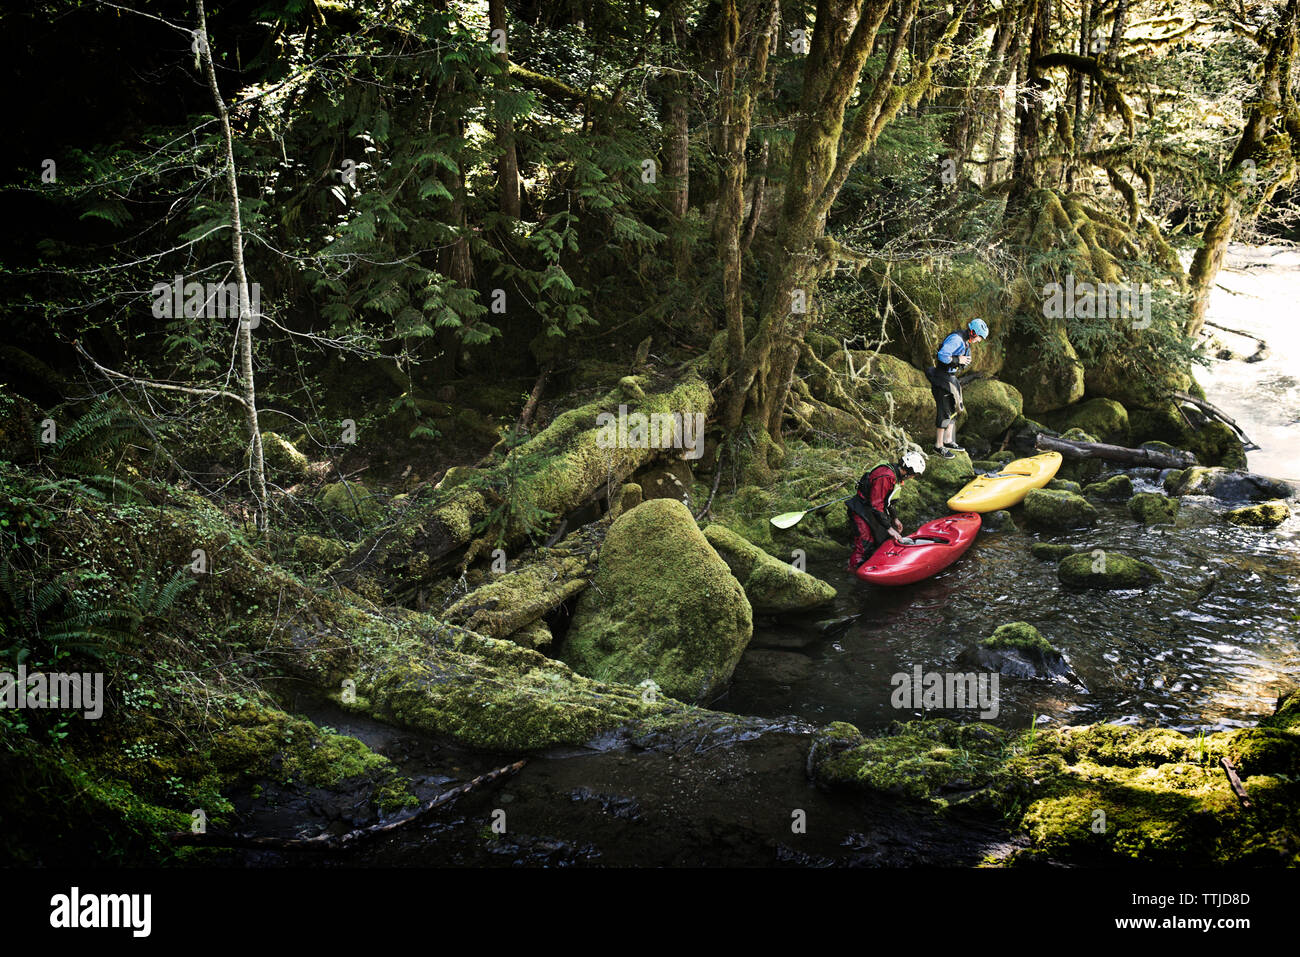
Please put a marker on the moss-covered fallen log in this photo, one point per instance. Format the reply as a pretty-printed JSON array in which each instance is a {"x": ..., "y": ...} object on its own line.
[
  {"x": 576, "y": 459},
  {"x": 1173, "y": 459}
]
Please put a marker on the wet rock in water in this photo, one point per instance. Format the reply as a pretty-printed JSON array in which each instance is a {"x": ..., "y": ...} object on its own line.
[
  {"x": 662, "y": 606},
  {"x": 1064, "y": 485},
  {"x": 835, "y": 626},
  {"x": 1046, "y": 551},
  {"x": 1265, "y": 515},
  {"x": 985, "y": 465},
  {"x": 1000, "y": 520},
  {"x": 1117, "y": 488},
  {"x": 1018, "y": 650},
  {"x": 1104, "y": 418},
  {"x": 1058, "y": 509},
  {"x": 1229, "y": 485},
  {"x": 1003, "y": 457},
  {"x": 771, "y": 586},
  {"x": 1152, "y": 508},
  {"x": 1103, "y": 569}
]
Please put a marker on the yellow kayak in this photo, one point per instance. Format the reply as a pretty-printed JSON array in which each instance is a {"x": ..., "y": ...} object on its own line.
[{"x": 988, "y": 493}]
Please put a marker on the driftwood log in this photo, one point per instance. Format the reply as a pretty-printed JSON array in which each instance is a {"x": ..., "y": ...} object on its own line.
[{"x": 1175, "y": 459}]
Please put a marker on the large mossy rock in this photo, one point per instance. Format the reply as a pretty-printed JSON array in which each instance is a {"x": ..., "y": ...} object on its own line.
[
  {"x": 1049, "y": 508},
  {"x": 771, "y": 586},
  {"x": 1229, "y": 485},
  {"x": 1152, "y": 508},
  {"x": 991, "y": 407},
  {"x": 1265, "y": 515},
  {"x": 1104, "y": 418},
  {"x": 1160, "y": 421},
  {"x": 663, "y": 606},
  {"x": 1103, "y": 569},
  {"x": 1215, "y": 443}
]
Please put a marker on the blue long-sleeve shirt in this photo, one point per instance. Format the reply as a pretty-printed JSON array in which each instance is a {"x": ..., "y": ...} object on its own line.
[{"x": 953, "y": 345}]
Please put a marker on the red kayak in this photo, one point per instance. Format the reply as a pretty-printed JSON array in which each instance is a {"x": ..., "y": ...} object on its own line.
[{"x": 936, "y": 545}]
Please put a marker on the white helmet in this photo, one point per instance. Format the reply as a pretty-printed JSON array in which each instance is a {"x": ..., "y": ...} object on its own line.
[{"x": 914, "y": 461}]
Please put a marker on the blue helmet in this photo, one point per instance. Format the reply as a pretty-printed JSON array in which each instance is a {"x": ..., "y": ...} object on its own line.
[{"x": 979, "y": 327}]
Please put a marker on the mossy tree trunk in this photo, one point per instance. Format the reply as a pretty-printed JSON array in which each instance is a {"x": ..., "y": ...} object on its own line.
[
  {"x": 508, "y": 164},
  {"x": 1273, "y": 104},
  {"x": 828, "y": 142}
]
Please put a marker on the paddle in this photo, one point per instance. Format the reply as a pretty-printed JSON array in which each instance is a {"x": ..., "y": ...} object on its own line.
[{"x": 790, "y": 519}]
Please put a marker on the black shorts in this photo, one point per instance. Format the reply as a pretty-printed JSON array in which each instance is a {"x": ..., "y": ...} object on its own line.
[{"x": 947, "y": 396}]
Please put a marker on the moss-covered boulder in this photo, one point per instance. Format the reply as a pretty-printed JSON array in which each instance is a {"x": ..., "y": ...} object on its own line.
[
  {"x": 771, "y": 586},
  {"x": 1049, "y": 552},
  {"x": 1058, "y": 509},
  {"x": 663, "y": 606},
  {"x": 991, "y": 407},
  {"x": 1216, "y": 443},
  {"x": 1103, "y": 569},
  {"x": 1064, "y": 485},
  {"x": 1264, "y": 515},
  {"x": 1104, "y": 418},
  {"x": 1018, "y": 650},
  {"x": 1229, "y": 485},
  {"x": 1152, "y": 508},
  {"x": 353, "y": 500},
  {"x": 1117, "y": 488},
  {"x": 1159, "y": 421},
  {"x": 1000, "y": 521},
  {"x": 282, "y": 456}
]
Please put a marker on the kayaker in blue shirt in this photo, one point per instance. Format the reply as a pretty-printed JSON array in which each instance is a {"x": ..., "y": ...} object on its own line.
[{"x": 953, "y": 355}]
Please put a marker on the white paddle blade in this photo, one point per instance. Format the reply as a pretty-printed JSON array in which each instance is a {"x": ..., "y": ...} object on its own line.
[{"x": 788, "y": 519}]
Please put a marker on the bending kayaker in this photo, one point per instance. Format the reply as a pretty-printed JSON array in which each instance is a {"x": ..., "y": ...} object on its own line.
[
  {"x": 953, "y": 355},
  {"x": 871, "y": 510}
]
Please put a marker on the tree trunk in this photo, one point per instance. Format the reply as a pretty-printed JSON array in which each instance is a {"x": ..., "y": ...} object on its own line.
[
  {"x": 246, "y": 318},
  {"x": 1271, "y": 102},
  {"x": 1029, "y": 107},
  {"x": 508, "y": 165}
]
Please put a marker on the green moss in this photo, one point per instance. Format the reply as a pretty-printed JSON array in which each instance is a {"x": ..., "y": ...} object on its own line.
[
  {"x": 353, "y": 500},
  {"x": 1103, "y": 569},
  {"x": 1216, "y": 443},
  {"x": 1104, "y": 418},
  {"x": 991, "y": 407},
  {"x": 1152, "y": 508},
  {"x": 1058, "y": 509},
  {"x": 318, "y": 552},
  {"x": 1063, "y": 485},
  {"x": 281, "y": 455},
  {"x": 1020, "y": 636},
  {"x": 771, "y": 586},
  {"x": 1263, "y": 515},
  {"x": 1117, "y": 488}
]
